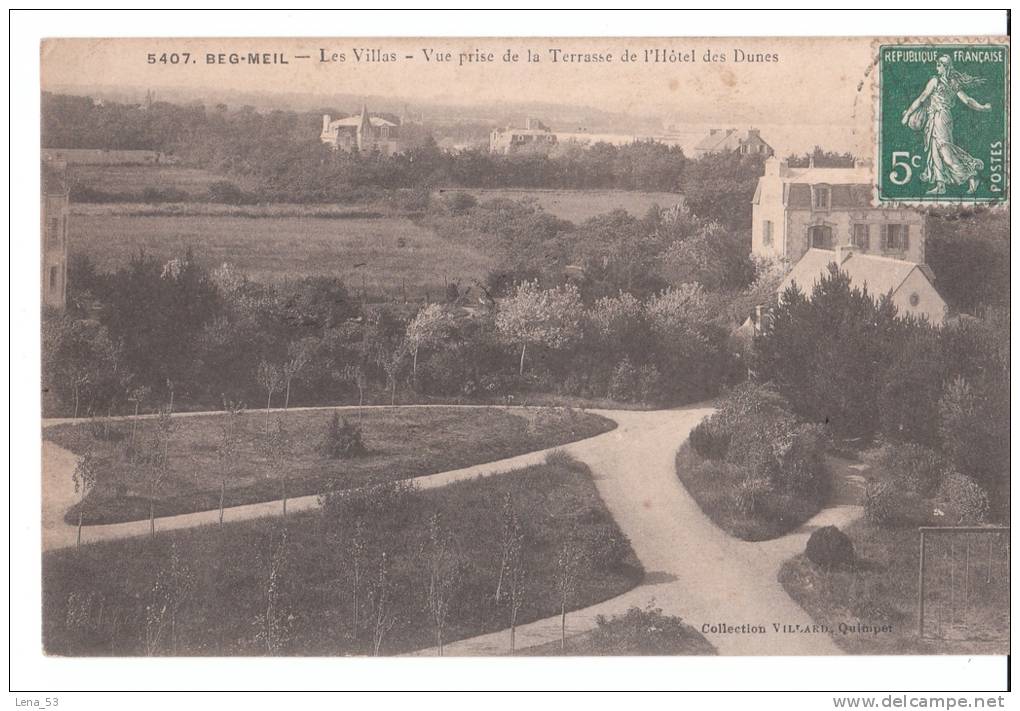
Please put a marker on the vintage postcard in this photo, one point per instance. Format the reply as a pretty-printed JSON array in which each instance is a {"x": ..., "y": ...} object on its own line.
[{"x": 525, "y": 346}]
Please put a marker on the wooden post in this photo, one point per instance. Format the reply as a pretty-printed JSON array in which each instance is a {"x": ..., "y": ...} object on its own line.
[
  {"x": 223, "y": 490},
  {"x": 81, "y": 516},
  {"x": 152, "y": 519},
  {"x": 920, "y": 591},
  {"x": 285, "y": 497}
]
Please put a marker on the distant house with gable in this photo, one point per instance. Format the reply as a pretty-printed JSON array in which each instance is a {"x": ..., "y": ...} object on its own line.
[
  {"x": 535, "y": 137},
  {"x": 798, "y": 209},
  {"x": 720, "y": 140},
  {"x": 911, "y": 285},
  {"x": 364, "y": 133}
]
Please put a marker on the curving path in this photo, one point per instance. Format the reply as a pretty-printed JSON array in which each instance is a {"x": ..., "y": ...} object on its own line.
[{"x": 693, "y": 569}]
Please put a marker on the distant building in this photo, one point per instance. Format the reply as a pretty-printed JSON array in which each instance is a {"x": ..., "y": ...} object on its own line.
[
  {"x": 720, "y": 140},
  {"x": 535, "y": 137},
  {"x": 54, "y": 210},
  {"x": 363, "y": 133},
  {"x": 911, "y": 285},
  {"x": 797, "y": 209}
]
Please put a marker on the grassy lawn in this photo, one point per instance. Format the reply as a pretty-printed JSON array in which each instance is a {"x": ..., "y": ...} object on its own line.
[
  {"x": 881, "y": 592},
  {"x": 94, "y": 601},
  {"x": 389, "y": 250},
  {"x": 716, "y": 494},
  {"x": 635, "y": 633},
  {"x": 401, "y": 443},
  {"x": 134, "y": 179},
  {"x": 579, "y": 205}
]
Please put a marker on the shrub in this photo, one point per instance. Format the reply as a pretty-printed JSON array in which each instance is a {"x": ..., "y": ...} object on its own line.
[
  {"x": 802, "y": 467},
  {"x": 341, "y": 440},
  {"x": 606, "y": 547},
  {"x": 709, "y": 440},
  {"x": 648, "y": 632},
  {"x": 752, "y": 493},
  {"x": 963, "y": 500},
  {"x": 914, "y": 467},
  {"x": 829, "y": 547},
  {"x": 459, "y": 202},
  {"x": 374, "y": 505},
  {"x": 888, "y": 505},
  {"x": 624, "y": 383},
  {"x": 563, "y": 458},
  {"x": 649, "y": 384},
  {"x": 882, "y": 503}
]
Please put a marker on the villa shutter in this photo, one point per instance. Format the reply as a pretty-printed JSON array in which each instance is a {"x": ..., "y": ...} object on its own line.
[
  {"x": 867, "y": 238},
  {"x": 885, "y": 237},
  {"x": 906, "y": 237}
]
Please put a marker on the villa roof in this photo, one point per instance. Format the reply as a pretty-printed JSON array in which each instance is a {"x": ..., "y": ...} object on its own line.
[
  {"x": 355, "y": 121},
  {"x": 881, "y": 275}
]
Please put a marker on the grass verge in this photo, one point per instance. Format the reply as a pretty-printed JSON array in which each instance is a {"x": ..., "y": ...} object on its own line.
[
  {"x": 95, "y": 600},
  {"x": 402, "y": 443}
]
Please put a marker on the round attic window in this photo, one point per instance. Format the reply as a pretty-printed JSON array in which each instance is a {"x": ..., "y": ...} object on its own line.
[{"x": 915, "y": 299}]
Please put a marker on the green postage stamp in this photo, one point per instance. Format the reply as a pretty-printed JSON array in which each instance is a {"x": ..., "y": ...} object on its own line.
[{"x": 943, "y": 119}]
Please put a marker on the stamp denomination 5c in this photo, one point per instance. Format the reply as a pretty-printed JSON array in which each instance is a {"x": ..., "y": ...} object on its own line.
[{"x": 943, "y": 123}]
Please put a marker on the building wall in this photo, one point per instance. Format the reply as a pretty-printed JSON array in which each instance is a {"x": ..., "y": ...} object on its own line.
[
  {"x": 842, "y": 221},
  {"x": 929, "y": 304},
  {"x": 769, "y": 208},
  {"x": 53, "y": 278}
]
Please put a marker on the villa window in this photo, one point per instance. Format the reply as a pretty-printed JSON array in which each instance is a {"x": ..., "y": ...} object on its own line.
[
  {"x": 896, "y": 238},
  {"x": 820, "y": 237},
  {"x": 53, "y": 233},
  {"x": 860, "y": 237},
  {"x": 822, "y": 197},
  {"x": 766, "y": 233}
]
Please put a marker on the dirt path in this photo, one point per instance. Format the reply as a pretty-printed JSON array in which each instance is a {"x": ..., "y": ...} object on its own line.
[
  {"x": 717, "y": 583},
  {"x": 726, "y": 588},
  {"x": 58, "y": 490}
]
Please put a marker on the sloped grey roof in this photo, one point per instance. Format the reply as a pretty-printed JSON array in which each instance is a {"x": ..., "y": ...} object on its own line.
[{"x": 881, "y": 275}]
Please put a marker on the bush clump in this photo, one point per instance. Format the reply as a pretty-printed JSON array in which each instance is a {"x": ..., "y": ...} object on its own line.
[
  {"x": 709, "y": 440},
  {"x": 341, "y": 440},
  {"x": 914, "y": 467},
  {"x": 646, "y": 632},
  {"x": 752, "y": 494},
  {"x": 829, "y": 547},
  {"x": 888, "y": 505},
  {"x": 962, "y": 500}
]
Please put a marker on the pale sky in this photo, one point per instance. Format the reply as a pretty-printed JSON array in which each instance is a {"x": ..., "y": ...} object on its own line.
[{"x": 811, "y": 81}]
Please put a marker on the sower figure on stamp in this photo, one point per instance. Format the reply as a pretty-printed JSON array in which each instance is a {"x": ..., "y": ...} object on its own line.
[{"x": 932, "y": 112}]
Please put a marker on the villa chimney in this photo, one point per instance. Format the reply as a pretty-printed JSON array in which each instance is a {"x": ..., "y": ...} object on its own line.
[
  {"x": 775, "y": 166},
  {"x": 326, "y": 118}
]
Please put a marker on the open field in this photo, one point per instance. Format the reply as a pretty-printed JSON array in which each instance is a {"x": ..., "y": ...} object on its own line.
[
  {"x": 132, "y": 180},
  {"x": 401, "y": 443},
  {"x": 579, "y": 205},
  {"x": 94, "y": 601},
  {"x": 970, "y": 616},
  {"x": 388, "y": 249}
]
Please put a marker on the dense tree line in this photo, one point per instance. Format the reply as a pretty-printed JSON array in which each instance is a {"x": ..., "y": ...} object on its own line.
[
  {"x": 278, "y": 155},
  {"x": 843, "y": 359}
]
